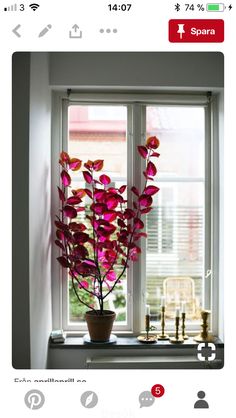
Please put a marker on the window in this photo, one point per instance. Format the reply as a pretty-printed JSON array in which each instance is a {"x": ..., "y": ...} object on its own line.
[
  {"x": 175, "y": 243},
  {"x": 179, "y": 249},
  {"x": 99, "y": 132}
]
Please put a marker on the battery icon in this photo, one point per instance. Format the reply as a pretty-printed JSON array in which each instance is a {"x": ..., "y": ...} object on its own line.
[{"x": 215, "y": 7}]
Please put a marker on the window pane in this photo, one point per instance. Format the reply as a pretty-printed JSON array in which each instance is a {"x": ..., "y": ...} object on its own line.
[
  {"x": 175, "y": 226},
  {"x": 181, "y": 132},
  {"x": 99, "y": 132}
]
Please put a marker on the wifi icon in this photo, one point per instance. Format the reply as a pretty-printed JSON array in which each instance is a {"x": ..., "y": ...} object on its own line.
[{"x": 34, "y": 6}]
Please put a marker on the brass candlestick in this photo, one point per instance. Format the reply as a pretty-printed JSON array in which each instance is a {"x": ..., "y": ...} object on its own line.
[
  {"x": 147, "y": 338},
  {"x": 177, "y": 339},
  {"x": 147, "y": 325},
  {"x": 163, "y": 336},
  {"x": 184, "y": 336},
  {"x": 204, "y": 336}
]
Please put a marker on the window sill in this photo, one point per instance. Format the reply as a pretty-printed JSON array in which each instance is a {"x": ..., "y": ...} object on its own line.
[
  {"x": 129, "y": 343},
  {"x": 128, "y": 353}
]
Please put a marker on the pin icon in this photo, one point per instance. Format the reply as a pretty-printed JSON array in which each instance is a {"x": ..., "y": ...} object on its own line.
[{"x": 181, "y": 29}]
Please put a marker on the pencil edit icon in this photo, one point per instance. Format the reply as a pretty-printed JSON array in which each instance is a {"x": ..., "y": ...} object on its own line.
[{"x": 45, "y": 30}]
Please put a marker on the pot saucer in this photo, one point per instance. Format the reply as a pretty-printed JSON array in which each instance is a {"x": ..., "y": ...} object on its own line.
[{"x": 87, "y": 340}]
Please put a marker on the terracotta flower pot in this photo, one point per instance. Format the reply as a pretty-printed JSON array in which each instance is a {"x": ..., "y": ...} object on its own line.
[{"x": 100, "y": 326}]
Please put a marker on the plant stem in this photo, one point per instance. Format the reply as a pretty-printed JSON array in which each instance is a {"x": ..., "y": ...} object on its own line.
[
  {"x": 79, "y": 283},
  {"x": 95, "y": 252},
  {"x": 80, "y": 300}
]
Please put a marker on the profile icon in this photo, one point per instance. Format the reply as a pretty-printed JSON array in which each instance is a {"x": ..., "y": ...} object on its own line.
[{"x": 201, "y": 403}]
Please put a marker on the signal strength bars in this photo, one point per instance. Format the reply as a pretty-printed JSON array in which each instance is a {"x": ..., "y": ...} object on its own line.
[{"x": 12, "y": 8}]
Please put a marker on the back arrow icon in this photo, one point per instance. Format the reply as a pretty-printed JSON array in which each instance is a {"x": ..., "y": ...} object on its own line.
[{"x": 15, "y": 31}]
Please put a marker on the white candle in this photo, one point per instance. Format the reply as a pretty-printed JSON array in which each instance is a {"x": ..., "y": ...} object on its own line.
[
  {"x": 147, "y": 309},
  {"x": 163, "y": 300},
  {"x": 177, "y": 311},
  {"x": 183, "y": 307}
]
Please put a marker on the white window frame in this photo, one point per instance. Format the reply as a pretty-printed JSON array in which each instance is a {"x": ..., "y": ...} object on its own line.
[{"x": 136, "y": 289}]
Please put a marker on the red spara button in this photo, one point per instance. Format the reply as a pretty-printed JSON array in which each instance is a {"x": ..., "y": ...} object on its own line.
[{"x": 196, "y": 30}]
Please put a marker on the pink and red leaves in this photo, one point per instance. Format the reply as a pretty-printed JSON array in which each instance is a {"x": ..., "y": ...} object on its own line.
[
  {"x": 105, "y": 229},
  {"x": 155, "y": 154},
  {"x": 138, "y": 224},
  {"x": 104, "y": 179},
  {"x": 143, "y": 151},
  {"x": 86, "y": 267},
  {"x": 122, "y": 189},
  {"x": 151, "y": 169},
  {"x": 135, "y": 190},
  {"x": 98, "y": 249},
  {"x": 81, "y": 252},
  {"x": 60, "y": 234},
  {"x": 139, "y": 235},
  {"x": 64, "y": 158},
  {"x": 65, "y": 178},
  {"x": 87, "y": 177},
  {"x": 81, "y": 237},
  {"x": 75, "y": 164},
  {"x": 73, "y": 200},
  {"x": 83, "y": 284},
  {"x": 152, "y": 142},
  {"x": 129, "y": 213},
  {"x": 133, "y": 252},
  {"x": 111, "y": 276},
  {"x": 145, "y": 200},
  {"x": 69, "y": 211},
  {"x": 61, "y": 194},
  {"x": 112, "y": 202},
  {"x": 99, "y": 195},
  {"x": 98, "y": 165},
  {"x": 79, "y": 193},
  {"x": 60, "y": 245},
  {"x": 61, "y": 225},
  {"x": 89, "y": 165},
  {"x": 151, "y": 190},
  {"x": 99, "y": 208},
  {"x": 110, "y": 256},
  {"x": 121, "y": 223},
  {"x": 110, "y": 215},
  {"x": 88, "y": 193},
  {"x": 63, "y": 261},
  {"x": 77, "y": 227},
  {"x": 89, "y": 262},
  {"x": 146, "y": 210}
]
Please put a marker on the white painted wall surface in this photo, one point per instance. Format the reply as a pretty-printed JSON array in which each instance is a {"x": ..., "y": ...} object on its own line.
[
  {"x": 40, "y": 209},
  {"x": 126, "y": 69}
]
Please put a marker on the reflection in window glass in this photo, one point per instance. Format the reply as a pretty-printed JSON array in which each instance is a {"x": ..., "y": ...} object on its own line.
[
  {"x": 99, "y": 132},
  {"x": 175, "y": 227}
]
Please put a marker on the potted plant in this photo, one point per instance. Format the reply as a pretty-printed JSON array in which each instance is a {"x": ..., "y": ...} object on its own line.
[{"x": 98, "y": 252}]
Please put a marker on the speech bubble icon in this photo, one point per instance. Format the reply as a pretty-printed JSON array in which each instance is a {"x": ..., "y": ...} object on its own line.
[{"x": 146, "y": 399}]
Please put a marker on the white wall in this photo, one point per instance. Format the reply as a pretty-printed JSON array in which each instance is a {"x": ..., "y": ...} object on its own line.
[
  {"x": 39, "y": 209},
  {"x": 20, "y": 211},
  {"x": 222, "y": 279},
  {"x": 148, "y": 69}
]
